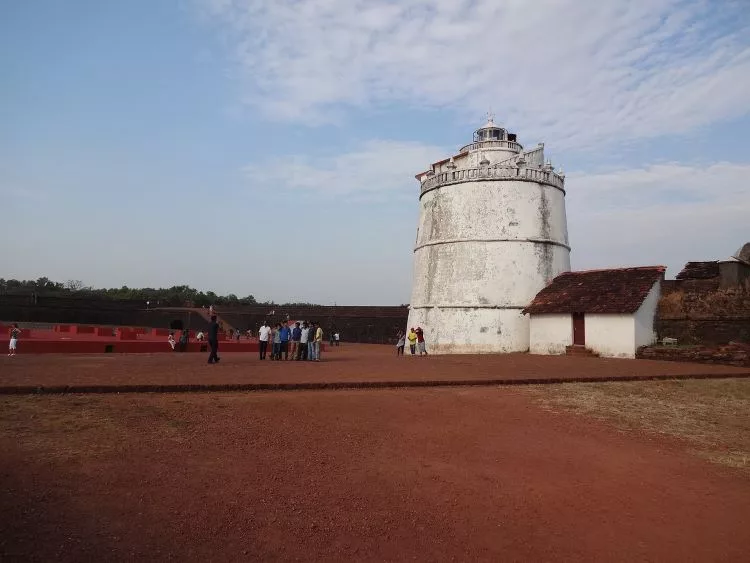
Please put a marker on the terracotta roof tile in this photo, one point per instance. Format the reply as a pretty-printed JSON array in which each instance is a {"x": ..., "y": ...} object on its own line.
[{"x": 618, "y": 291}]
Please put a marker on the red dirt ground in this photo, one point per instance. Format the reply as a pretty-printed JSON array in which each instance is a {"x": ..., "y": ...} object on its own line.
[
  {"x": 350, "y": 364},
  {"x": 461, "y": 474}
]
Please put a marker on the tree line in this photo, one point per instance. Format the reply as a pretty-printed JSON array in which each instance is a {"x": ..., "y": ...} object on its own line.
[{"x": 175, "y": 296}]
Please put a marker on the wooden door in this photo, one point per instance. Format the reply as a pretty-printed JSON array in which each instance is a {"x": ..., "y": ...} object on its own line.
[{"x": 579, "y": 330}]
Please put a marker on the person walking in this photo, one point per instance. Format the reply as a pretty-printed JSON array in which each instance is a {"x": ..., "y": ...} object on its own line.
[
  {"x": 412, "y": 337},
  {"x": 13, "y": 333},
  {"x": 296, "y": 335},
  {"x": 263, "y": 334},
  {"x": 336, "y": 338},
  {"x": 213, "y": 341},
  {"x": 400, "y": 344},
  {"x": 420, "y": 341},
  {"x": 285, "y": 334},
  {"x": 184, "y": 339}
]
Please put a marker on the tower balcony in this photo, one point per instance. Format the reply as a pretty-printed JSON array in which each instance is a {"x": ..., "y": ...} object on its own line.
[
  {"x": 481, "y": 173},
  {"x": 508, "y": 145}
]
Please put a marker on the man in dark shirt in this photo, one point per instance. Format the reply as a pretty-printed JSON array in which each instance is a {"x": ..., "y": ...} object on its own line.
[{"x": 213, "y": 341}]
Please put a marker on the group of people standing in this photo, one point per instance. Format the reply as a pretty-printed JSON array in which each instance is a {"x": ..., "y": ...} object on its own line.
[
  {"x": 300, "y": 342},
  {"x": 416, "y": 340}
]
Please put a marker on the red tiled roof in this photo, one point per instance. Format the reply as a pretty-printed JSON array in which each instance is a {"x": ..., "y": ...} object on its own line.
[{"x": 618, "y": 291}]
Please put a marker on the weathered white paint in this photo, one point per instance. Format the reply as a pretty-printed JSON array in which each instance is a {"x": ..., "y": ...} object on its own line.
[
  {"x": 645, "y": 331},
  {"x": 470, "y": 330},
  {"x": 610, "y": 336},
  {"x": 613, "y": 336},
  {"x": 484, "y": 249},
  {"x": 550, "y": 334}
]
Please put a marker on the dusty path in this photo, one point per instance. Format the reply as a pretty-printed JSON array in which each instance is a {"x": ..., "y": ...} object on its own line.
[
  {"x": 465, "y": 474},
  {"x": 348, "y": 364}
]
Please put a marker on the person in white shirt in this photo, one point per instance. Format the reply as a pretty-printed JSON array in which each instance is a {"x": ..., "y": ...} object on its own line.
[
  {"x": 336, "y": 338},
  {"x": 263, "y": 334},
  {"x": 303, "y": 341},
  {"x": 171, "y": 340},
  {"x": 13, "y": 335}
]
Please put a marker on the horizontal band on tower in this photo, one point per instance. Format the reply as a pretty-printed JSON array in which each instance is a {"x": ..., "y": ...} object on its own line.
[
  {"x": 458, "y": 306},
  {"x": 461, "y": 240}
]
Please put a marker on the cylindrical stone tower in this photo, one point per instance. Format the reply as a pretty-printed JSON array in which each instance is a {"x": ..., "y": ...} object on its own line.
[{"x": 492, "y": 233}]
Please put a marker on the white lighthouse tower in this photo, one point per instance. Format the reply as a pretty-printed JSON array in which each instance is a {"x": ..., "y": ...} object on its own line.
[{"x": 492, "y": 233}]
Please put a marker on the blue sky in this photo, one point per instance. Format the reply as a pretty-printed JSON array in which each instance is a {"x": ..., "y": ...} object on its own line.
[{"x": 269, "y": 148}]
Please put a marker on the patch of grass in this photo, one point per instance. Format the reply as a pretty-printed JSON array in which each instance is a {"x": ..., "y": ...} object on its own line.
[{"x": 712, "y": 416}]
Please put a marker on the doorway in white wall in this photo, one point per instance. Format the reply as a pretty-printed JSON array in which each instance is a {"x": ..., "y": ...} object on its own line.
[{"x": 579, "y": 329}]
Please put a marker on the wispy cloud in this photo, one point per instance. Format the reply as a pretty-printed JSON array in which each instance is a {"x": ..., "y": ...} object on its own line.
[
  {"x": 377, "y": 169},
  {"x": 567, "y": 71},
  {"x": 661, "y": 214}
]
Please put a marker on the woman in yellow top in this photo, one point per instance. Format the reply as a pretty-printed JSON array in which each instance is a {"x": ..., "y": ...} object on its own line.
[{"x": 412, "y": 336}]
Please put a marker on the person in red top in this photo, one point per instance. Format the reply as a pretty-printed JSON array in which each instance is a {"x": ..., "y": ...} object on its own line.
[{"x": 420, "y": 341}]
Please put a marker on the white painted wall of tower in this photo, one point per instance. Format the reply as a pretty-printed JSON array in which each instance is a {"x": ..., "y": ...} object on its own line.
[{"x": 483, "y": 250}]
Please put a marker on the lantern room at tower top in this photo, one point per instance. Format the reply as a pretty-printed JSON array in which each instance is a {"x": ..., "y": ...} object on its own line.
[{"x": 491, "y": 132}]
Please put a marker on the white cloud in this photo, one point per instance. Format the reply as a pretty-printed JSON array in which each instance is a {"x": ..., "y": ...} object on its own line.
[
  {"x": 659, "y": 214},
  {"x": 378, "y": 169},
  {"x": 566, "y": 70},
  {"x": 662, "y": 214}
]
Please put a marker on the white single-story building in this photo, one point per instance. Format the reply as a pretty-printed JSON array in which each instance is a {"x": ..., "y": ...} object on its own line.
[{"x": 609, "y": 312}]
